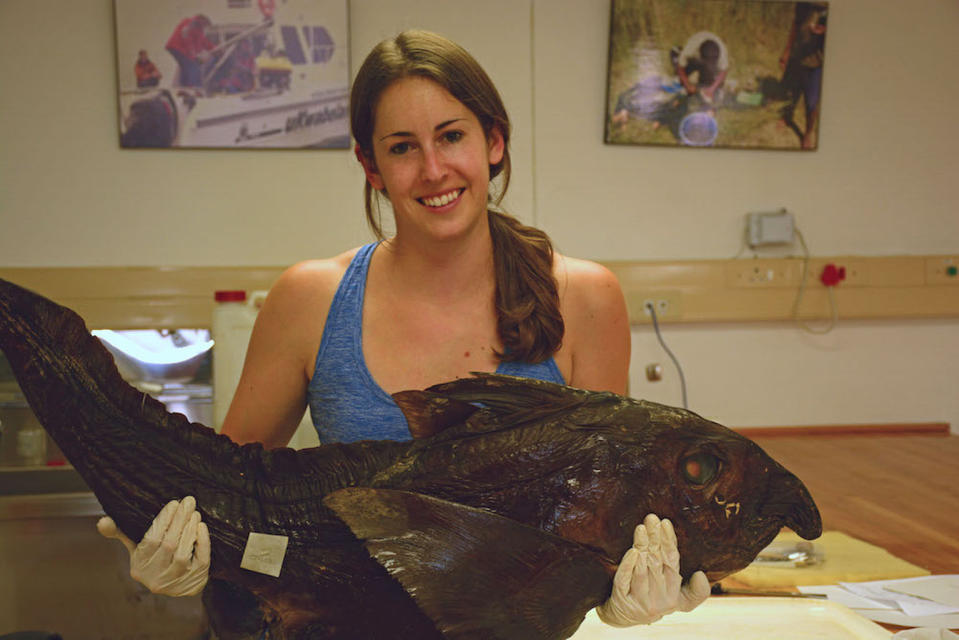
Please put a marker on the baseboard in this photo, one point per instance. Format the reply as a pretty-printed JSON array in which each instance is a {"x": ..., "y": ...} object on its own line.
[{"x": 896, "y": 429}]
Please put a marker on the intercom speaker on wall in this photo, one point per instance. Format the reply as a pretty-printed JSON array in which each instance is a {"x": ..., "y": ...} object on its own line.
[{"x": 766, "y": 228}]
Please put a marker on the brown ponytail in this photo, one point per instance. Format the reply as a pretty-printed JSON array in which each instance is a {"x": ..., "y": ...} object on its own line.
[{"x": 528, "y": 319}]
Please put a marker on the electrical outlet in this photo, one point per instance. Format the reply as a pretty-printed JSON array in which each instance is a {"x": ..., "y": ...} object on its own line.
[
  {"x": 788, "y": 272},
  {"x": 667, "y": 305},
  {"x": 660, "y": 305},
  {"x": 858, "y": 272},
  {"x": 942, "y": 270},
  {"x": 764, "y": 273}
]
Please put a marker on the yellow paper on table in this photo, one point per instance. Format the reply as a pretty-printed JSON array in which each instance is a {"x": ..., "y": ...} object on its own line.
[{"x": 845, "y": 559}]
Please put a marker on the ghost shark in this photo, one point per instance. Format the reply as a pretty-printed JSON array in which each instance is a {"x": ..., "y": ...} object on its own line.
[{"x": 504, "y": 516}]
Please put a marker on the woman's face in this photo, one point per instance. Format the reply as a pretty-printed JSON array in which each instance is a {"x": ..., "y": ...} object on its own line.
[{"x": 432, "y": 158}]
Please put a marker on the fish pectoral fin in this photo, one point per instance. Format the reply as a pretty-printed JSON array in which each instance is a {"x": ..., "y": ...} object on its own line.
[{"x": 476, "y": 574}]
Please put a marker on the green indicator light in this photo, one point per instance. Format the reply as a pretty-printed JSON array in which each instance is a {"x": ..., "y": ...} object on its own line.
[{"x": 952, "y": 270}]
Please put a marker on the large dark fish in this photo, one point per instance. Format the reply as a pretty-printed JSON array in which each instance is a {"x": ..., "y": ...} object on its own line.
[{"x": 504, "y": 520}]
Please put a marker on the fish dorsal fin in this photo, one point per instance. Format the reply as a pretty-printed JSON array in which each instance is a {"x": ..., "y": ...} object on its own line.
[
  {"x": 428, "y": 413},
  {"x": 476, "y": 574},
  {"x": 521, "y": 399}
]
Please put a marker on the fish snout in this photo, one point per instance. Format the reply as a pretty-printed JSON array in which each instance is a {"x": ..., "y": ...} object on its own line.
[{"x": 790, "y": 500}]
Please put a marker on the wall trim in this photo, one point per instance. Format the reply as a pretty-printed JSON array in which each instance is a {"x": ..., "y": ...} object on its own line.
[
  {"x": 691, "y": 291},
  {"x": 894, "y": 429}
]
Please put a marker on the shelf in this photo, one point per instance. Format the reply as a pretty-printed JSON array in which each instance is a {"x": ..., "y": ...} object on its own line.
[
  {"x": 50, "y": 505},
  {"x": 40, "y": 480}
]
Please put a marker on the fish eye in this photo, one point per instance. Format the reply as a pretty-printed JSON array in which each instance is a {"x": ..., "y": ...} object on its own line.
[{"x": 700, "y": 468}]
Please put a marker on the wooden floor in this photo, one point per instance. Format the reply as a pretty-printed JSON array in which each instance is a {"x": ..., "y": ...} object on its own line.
[{"x": 898, "y": 492}]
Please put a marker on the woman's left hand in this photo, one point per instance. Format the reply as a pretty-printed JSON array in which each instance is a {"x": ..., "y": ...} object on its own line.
[{"x": 647, "y": 584}]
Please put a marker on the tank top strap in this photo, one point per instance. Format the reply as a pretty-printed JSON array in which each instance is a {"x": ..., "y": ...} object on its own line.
[
  {"x": 341, "y": 328},
  {"x": 346, "y": 403}
]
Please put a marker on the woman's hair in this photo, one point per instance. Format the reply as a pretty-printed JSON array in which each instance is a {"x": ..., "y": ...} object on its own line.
[{"x": 529, "y": 321}]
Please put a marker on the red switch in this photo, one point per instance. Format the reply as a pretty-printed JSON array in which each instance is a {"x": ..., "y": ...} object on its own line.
[{"x": 832, "y": 275}]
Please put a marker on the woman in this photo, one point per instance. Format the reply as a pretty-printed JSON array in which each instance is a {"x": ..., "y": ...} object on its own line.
[{"x": 458, "y": 288}]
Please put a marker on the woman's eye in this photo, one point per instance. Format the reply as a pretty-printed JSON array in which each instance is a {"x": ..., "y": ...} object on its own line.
[
  {"x": 400, "y": 148},
  {"x": 453, "y": 136},
  {"x": 700, "y": 468}
]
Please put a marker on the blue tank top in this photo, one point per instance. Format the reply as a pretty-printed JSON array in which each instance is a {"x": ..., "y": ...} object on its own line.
[{"x": 346, "y": 404}]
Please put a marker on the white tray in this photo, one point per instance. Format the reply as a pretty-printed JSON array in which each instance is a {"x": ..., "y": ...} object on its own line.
[{"x": 762, "y": 618}]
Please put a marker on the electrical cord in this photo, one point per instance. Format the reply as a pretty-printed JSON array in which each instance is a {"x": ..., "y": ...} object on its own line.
[
  {"x": 682, "y": 378},
  {"x": 744, "y": 244},
  {"x": 834, "y": 311}
]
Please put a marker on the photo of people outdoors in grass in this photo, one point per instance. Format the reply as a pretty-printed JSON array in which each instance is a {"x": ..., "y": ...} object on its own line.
[{"x": 716, "y": 73}]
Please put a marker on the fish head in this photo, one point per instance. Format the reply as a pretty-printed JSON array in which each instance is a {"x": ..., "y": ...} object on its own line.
[
  {"x": 596, "y": 463},
  {"x": 727, "y": 499}
]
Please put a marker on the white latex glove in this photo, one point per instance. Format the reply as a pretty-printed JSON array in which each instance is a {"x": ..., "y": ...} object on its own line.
[
  {"x": 174, "y": 556},
  {"x": 647, "y": 584},
  {"x": 925, "y": 634}
]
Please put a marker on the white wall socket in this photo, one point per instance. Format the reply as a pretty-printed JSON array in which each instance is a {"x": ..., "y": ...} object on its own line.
[{"x": 666, "y": 303}]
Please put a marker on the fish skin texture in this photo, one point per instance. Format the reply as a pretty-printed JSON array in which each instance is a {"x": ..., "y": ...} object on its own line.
[{"x": 504, "y": 517}]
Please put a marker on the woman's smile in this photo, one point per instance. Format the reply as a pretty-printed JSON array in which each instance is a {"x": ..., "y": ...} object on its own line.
[{"x": 442, "y": 200}]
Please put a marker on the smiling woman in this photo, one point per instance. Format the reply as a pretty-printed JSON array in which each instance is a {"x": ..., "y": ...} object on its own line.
[{"x": 461, "y": 287}]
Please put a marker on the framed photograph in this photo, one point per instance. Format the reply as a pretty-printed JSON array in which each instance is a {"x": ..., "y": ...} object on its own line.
[
  {"x": 716, "y": 73},
  {"x": 233, "y": 73}
]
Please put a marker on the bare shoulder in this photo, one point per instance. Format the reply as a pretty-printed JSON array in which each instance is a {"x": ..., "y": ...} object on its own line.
[
  {"x": 310, "y": 282},
  {"x": 584, "y": 282},
  {"x": 295, "y": 310},
  {"x": 597, "y": 340}
]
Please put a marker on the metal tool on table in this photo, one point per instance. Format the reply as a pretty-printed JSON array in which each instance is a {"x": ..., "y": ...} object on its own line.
[{"x": 719, "y": 590}]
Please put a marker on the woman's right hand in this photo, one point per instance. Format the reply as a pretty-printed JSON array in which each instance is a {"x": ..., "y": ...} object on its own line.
[{"x": 174, "y": 556}]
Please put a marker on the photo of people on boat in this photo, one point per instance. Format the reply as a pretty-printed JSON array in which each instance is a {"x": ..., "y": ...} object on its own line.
[
  {"x": 233, "y": 73},
  {"x": 716, "y": 73}
]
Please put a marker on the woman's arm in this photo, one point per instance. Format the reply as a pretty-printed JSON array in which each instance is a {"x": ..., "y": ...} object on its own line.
[
  {"x": 597, "y": 326},
  {"x": 271, "y": 395}
]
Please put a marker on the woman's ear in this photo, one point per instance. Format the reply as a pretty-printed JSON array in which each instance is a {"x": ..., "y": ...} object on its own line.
[
  {"x": 495, "y": 145},
  {"x": 369, "y": 168}
]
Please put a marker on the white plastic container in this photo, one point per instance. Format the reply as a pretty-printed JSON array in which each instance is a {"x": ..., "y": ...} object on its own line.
[{"x": 233, "y": 318}]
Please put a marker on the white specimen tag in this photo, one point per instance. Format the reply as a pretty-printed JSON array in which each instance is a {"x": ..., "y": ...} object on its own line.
[{"x": 264, "y": 553}]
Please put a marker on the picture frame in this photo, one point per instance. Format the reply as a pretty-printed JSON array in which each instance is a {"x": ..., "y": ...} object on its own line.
[
  {"x": 716, "y": 73},
  {"x": 233, "y": 74}
]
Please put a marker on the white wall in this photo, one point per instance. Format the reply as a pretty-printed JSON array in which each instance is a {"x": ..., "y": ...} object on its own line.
[
  {"x": 69, "y": 196},
  {"x": 881, "y": 183}
]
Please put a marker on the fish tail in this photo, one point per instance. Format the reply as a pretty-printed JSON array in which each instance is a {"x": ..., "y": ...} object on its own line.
[{"x": 130, "y": 451}]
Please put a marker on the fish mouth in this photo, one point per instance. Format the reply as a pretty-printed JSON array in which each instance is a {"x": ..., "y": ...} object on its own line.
[
  {"x": 787, "y": 502},
  {"x": 790, "y": 502},
  {"x": 736, "y": 558},
  {"x": 442, "y": 199}
]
